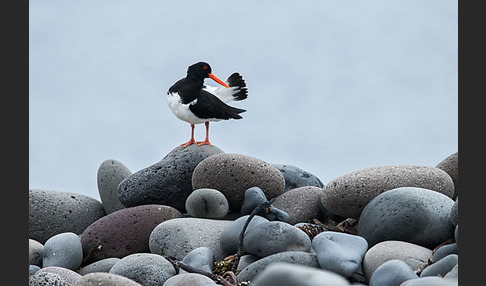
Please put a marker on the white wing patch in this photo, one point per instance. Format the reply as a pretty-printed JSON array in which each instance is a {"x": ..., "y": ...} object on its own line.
[{"x": 223, "y": 93}]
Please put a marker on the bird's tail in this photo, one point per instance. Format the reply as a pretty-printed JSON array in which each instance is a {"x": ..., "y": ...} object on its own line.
[{"x": 238, "y": 85}]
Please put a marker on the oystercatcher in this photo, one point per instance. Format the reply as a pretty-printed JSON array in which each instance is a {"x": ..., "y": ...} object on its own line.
[{"x": 190, "y": 100}]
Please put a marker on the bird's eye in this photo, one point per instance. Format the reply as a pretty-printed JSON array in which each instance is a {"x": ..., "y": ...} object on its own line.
[{"x": 205, "y": 67}]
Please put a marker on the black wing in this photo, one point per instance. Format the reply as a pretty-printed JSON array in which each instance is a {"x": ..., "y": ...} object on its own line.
[{"x": 209, "y": 106}]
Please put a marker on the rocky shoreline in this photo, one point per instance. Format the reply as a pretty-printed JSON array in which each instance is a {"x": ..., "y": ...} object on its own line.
[{"x": 384, "y": 225}]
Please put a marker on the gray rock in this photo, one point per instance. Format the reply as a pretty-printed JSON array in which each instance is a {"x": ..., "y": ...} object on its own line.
[
  {"x": 230, "y": 235},
  {"x": 167, "y": 182},
  {"x": 409, "y": 214},
  {"x": 47, "y": 279},
  {"x": 53, "y": 212},
  {"x": 33, "y": 269},
  {"x": 103, "y": 265},
  {"x": 146, "y": 275},
  {"x": 63, "y": 250},
  {"x": 456, "y": 233},
  {"x": 233, "y": 174},
  {"x": 68, "y": 275},
  {"x": 415, "y": 256},
  {"x": 300, "y": 203},
  {"x": 189, "y": 279},
  {"x": 200, "y": 258},
  {"x": 443, "y": 251},
  {"x": 451, "y": 166},
  {"x": 253, "y": 197},
  {"x": 207, "y": 203},
  {"x": 362, "y": 186},
  {"x": 295, "y": 257},
  {"x": 392, "y": 273},
  {"x": 453, "y": 274},
  {"x": 295, "y": 177},
  {"x": 339, "y": 252},
  {"x": 177, "y": 237},
  {"x": 110, "y": 173},
  {"x": 273, "y": 237},
  {"x": 286, "y": 274},
  {"x": 124, "y": 232},
  {"x": 35, "y": 252},
  {"x": 105, "y": 279},
  {"x": 429, "y": 281},
  {"x": 246, "y": 260},
  {"x": 140, "y": 259},
  {"x": 455, "y": 212},
  {"x": 441, "y": 267}
]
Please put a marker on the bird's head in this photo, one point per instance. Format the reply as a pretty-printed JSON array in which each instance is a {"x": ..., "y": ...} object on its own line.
[{"x": 203, "y": 70}]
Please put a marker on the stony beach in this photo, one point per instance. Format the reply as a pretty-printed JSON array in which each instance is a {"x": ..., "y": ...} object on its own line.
[{"x": 201, "y": 216}]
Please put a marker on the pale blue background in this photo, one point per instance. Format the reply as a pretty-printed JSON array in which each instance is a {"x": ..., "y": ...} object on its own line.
[{"x": 334, "y": 86}]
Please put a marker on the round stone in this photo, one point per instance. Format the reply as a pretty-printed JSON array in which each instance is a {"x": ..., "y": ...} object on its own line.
[
  {"x": 35, "y": 252},
  {"x": 53, "y": 212},
  {"x": 110, "y": 174},
  {"x": 67, "y": 274},
  {"x": 347, "y": 195},
  {"x": 301, "y": 204},
  {"x": 146, "y": 275},
  {"x": 415, "y": 215},
  {"x": 441, "y": 267},
  {"x": 201, "y": 258},
  {"x": 189, "y": 279},
  {"x": 392, "y": 272},
  {"x": 451, "y": 166},
  {"x": 103, "y": 265},
  {"x": 230, "y": 235},
  {"x": 63, "y": 250},
  {"x": 127, "y": 263},
  {"x": 46, "y": 279},
  {"x": 295, "y": 177},
  {"x": 105, "y": 279},
  {"x": 167, "y": 182},
  {"x": 233, "y": 174},
  {"x": 207, "y": 203},
  {"x": 124, "y": 232}
]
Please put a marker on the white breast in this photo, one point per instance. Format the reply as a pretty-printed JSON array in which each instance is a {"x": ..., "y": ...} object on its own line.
[{"x": 182, "y": 111}]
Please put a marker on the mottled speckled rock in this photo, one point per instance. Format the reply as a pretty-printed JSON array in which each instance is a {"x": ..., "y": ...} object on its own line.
[
  {"x": 286, "y": 274},
  {"x": 105, "y": 279},
  {"x": 68, "y": 275},
  {"x": 207, "y": 203},
  {"x": 295, "y": 257},
  {"x": 140, "y": 259},
  {"x": 233, "y": 174},
  {"x": 47, "y": 279},
  {"x": 167, "y": 182},
  {"x": 63, "y": 250},
  {"x": 189, "y": 279},
  {"x": 273, "y": 237},
  {"x": 392, "y": 272},
  {"x": 177, "y": 237},
  {"x": 415, "y": 215},
  {"x": 455, "y": 212},
  {"x": 146, "y": 275},
  {"x": 53, "y": 212},
  {"x": 125, "y": 231},
  {"x": 414, "y": 255},
  {"x": 35, "y": 252},
  {"x": 295, "y": 177},
  {"x": 300, "y": 203},
  {"x": 110, "y": 174},
  {"x": 103, "y": 265},
  {"x": 347, "y": 195},
  {"x": 451, "y": 166}
]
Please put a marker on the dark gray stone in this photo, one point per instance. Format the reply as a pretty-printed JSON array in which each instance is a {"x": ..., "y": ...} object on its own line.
[
  {"x": 35, "y": 252},
  {"x": 103, "y": 265},
  {"x": 361, "y": 186},
  {"x": 455, "y": 212},
  {"x": 124, "y": 232},
  {"x": 286, "y": 274},
  {"x": 443, "y": 251},
  {"x": 339, "y": 252},
  {"x": 177, "y": 237},
  {"x": 441, "y": 267},
  {"x": 233, "y": 174},
  {"x": 53, "y": 212},
  {"x": 63, "y": 250},
  {"x": 230, "y": 235},
  {"x": 273, "y": 237},
  {"x": 301, "y": 204},
  {"x": 200, "y": 258},
  {"x": 451, "y": 166},
  {"x": 207, "y": 203},
  {"x": 46, "y": 279},
  {"x": 295, "y": 177},
  {"x": 409, "y": 214},
  {"x": 167, "y": 182},
  {"x": 392, "y": 272},
  {"x": 295, "y": 257},
  {"x": 33, "y": 269},
  {"x": 253, "y": 197},
  {"x": 110, "y": 173}
]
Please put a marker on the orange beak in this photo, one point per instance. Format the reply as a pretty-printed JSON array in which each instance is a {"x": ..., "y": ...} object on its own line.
[{"x": 213, "y": 77}]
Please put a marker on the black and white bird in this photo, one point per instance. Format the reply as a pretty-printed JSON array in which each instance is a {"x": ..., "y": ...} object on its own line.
[{"x": 192, "y": 101}]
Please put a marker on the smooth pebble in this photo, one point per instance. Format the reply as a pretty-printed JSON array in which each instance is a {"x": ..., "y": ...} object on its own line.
[
  {"x": 63, "y": 250},
  {"x": 110, "y": 173},
  {"x": 392, "y": 273},
  {"x": 207, "y": 203}
]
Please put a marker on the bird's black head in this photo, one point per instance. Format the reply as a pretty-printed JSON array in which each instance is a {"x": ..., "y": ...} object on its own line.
[{"x": 200, "y": 70}]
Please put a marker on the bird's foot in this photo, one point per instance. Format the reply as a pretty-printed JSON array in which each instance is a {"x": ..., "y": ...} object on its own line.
[
  {"x": 205, "y": 142},
  {"x": 192, "y": 141}
]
